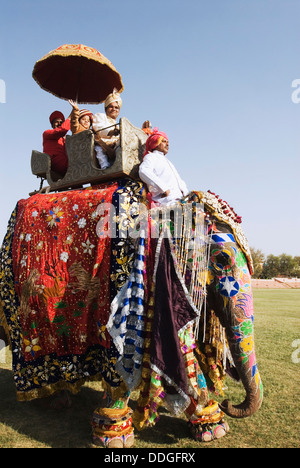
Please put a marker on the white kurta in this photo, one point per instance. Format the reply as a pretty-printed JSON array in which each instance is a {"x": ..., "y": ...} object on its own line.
[
  {"x": 101, "y": 121},
  {"x": 160, "y": 175}
]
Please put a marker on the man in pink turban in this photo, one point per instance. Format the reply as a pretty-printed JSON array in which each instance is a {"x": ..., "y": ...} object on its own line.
[{"x": 160, "y": 175}]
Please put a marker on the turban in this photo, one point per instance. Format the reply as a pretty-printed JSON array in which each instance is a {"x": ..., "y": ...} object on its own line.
[
  {"x": 154, "y": 140},
  {"x": 114, "y": 96},
  {"x": 84, "y": 112},
  {"x": 56, "y": 115}
]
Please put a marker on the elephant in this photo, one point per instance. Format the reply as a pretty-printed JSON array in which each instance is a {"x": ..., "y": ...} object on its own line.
[{"x": 96, "y": 284}]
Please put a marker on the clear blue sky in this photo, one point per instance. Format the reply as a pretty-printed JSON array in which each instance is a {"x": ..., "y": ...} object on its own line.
[{"x": 215, "y": 75}]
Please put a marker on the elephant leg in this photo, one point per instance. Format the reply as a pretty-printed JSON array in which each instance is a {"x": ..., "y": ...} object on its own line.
[
  {"x": 112, "y": 422},
  {"x": 206, "y": 420}
]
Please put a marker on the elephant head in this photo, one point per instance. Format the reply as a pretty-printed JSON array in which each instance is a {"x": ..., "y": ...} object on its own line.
[{"x": 229, "y": 295}]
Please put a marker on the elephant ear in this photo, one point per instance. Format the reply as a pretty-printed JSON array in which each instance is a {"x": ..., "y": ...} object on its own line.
[{"x": 221, "y": 210}]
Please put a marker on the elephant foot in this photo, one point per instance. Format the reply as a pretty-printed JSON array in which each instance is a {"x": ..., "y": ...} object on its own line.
[
  {"x": 112, "y": 428},
  {"x": 125, "y": 441},
  {"x": 209, "y": 432}
]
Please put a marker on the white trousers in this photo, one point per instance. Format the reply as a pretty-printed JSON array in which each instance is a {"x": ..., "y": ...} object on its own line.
[{"x": 102, "y": 157}]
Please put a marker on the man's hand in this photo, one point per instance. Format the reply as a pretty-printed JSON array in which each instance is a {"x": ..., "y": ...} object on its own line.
[{"x": 166, "y": 193}]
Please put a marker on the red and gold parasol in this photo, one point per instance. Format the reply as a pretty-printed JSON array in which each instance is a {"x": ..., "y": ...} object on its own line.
[{"x": 78, "y": 72}]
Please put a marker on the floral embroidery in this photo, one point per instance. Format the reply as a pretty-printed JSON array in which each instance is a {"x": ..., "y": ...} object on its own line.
[
  {"x": 60, "y": 276},
  {"x": 32, "y": 346},
  {"x": 54, "y": 217},
  {"x": 64, "y": 256},
  {"x": 82, "y": 223},
  {"x": 88, "y": 247}
]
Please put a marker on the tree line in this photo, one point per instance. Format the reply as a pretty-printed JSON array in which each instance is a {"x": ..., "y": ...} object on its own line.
[{"x": 274, "y": 266}]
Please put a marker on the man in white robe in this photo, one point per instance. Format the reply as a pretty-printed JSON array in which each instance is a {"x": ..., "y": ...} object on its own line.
[
  {"x": 107, "y": 139},
  {"x": 163, "y": 181}
]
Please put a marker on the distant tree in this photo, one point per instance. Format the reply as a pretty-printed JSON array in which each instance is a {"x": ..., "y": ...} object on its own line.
[
  {"x": 258, "y": 258},
  {"x": 296, "y": 270},
  {"x": 271, "y": 267},
  {"x": 287, "y": 265},
  {"x": 281, "y": 265}
]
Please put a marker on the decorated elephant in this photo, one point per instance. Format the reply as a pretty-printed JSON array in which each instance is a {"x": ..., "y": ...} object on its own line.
[{"x": 97, "y": 285}]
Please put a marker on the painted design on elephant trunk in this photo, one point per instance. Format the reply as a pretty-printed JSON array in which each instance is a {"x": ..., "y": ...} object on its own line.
[
  {"x": 230, "y": 269},
  {"x": 243, "y": 351}
]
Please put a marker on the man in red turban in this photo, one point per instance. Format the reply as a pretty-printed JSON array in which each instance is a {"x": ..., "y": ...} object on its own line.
[
  {"x": 160, "y": 175},
  {"x": 54, "y": 142},
  {"x": 154, "y": 140}
]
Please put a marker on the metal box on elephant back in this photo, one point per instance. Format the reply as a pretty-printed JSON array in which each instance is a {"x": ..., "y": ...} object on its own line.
[{"x": 83, "y": 165}]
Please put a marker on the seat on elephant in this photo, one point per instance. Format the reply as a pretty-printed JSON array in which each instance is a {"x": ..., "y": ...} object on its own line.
[{"x": 83, "y": 165}]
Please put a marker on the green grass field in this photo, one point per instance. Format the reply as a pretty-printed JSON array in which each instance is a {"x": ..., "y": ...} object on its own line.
[{"x": 277, "y": 424}]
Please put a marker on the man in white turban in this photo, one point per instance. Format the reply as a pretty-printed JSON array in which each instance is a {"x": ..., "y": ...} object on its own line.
[{"x": 107, "y": 134}]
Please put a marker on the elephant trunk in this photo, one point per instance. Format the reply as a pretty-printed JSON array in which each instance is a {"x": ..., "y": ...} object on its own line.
[
  {"x": 241, "y": 343},
  {"x": 248, "y": 407}
]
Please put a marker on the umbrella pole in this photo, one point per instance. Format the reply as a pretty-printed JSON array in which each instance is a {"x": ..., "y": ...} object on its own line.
[{"x": 79, "y": 79}]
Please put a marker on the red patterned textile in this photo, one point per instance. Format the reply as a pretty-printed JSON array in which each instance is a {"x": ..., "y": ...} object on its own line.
[{"x": 62, "y": 268}]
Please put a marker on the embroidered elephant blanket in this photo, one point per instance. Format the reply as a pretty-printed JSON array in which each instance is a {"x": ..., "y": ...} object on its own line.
[{"x": 60, "y": 268}]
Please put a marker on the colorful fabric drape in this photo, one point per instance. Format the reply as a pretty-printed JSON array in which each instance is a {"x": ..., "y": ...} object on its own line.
[
  {"x": 81, "y": 302},
  {"x": 60, "y": 269}
]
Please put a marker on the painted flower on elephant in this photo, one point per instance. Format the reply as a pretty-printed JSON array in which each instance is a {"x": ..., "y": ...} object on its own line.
[
  {"x": 247, "y": 327},
  {"x": 247, "y": 344}
]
